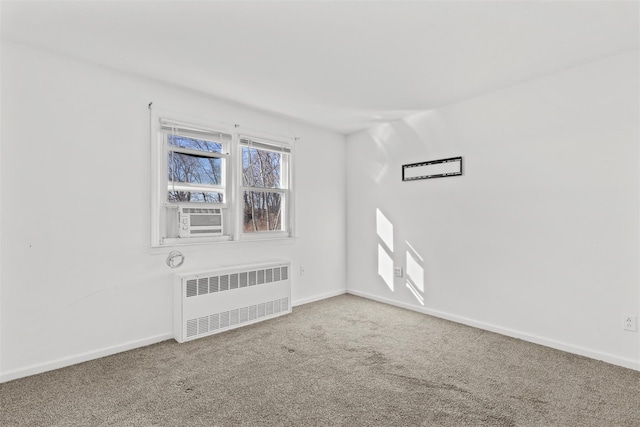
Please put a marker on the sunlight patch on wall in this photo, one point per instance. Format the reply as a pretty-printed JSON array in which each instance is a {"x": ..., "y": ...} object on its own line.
[
  {"x": 415, "y": 252},
  {"x": 415, "y": 292},
  {"x": 415, "y": 273},
  {"x": 385, "y": 266},
  {"x": 380, "y": 135},
  {"x": 384, "y": 229},
  {"x": 416, "y": 120}
]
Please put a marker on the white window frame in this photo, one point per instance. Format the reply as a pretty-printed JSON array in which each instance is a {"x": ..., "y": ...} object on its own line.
[
  {"x": 232, "y": 186},
  {"x": 223, "y": 189},
  {"x": 160, "y": 181},
  {"x": 286, "y": 189}
]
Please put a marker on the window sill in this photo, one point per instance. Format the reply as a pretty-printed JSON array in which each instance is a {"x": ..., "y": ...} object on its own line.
[{"x": 274, "y": 241}]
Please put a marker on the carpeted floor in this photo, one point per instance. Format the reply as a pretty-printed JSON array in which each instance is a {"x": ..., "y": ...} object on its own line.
[{"x": 344, "y": 361}]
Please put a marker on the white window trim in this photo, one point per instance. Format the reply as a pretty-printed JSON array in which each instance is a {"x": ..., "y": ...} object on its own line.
[
  {"x": 233, "y": 170},
  {"x": 269, "y": 144}
]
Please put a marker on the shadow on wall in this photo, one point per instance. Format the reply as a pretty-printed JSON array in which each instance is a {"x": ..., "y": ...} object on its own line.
[{"x": 414, "y": 263}]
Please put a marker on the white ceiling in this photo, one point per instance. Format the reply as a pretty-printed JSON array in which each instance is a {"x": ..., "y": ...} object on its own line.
[{"x": 344, "y": 65}]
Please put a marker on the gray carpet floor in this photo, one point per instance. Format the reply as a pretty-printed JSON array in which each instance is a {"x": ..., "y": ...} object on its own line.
[{"x": 344, "y": 361}]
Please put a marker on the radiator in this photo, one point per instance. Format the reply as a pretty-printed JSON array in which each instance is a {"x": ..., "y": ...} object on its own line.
[{"x": 217, "y": 300}]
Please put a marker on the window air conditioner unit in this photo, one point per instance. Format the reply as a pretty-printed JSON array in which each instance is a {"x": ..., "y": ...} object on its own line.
[{"x": 199, "y": 222}]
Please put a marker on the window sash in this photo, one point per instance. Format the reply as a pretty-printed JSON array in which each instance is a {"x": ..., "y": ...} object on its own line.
[
  {"x": 194, "y": 187},
  {"x": 213, "y": 194},
  {"x": 282, "y": 213},
  {"x": 256, "y": 176},
  {"x": 170, "y": 127},
  {"x": 265, "y": 145},
  {"x": 200, "y": 153},
  {"x": 282, "y": 191},
  {"x": 198, "y": 132}
]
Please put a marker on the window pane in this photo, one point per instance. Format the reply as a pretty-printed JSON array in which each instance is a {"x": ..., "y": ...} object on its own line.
[
  {"x": 262, "y": 211},
  {"x": 194, "y": 169},
  {"x": 261, "y": 168},
  {"x": 192, "y": 196},
  {"x": 194, "y": 144}
]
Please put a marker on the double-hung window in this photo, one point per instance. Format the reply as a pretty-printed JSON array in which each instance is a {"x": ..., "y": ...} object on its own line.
[
  {"x": 213, "y": 185},
  {"x": 265, "y": 187},
  {"x": 196, "y": 165},
  {"x": 192, "y": 185}
]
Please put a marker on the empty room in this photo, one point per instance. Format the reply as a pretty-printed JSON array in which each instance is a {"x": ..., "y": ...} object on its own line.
[{"x": 319, "y": 213}]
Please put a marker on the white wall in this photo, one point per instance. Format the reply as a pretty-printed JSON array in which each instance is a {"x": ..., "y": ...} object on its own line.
[
  {"x": 79, "y": 279},
  {"x": 539, "y": 238}
]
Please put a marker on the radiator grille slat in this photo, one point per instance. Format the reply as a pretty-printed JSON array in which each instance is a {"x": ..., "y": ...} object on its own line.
[
  {"x": 192, "y": 327},
  {"x": 213, "y": 284},
  {"x": 233, "y": 317},
  {"x": 203, "y": 285},
  {"x": 243, "y": 280},
  {"x": 192, "y": 288},
  {"x": 269, "y": 308},
  {"x": 224, "y": 319},
  {"x": 214, "y": 322},
  {"x": 224, "y": 283},
  {"x": 203, "y": 325}
]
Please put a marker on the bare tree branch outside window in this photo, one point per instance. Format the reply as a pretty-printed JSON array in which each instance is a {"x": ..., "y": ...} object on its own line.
[
  {"x": 194, "y": 169},
  {"x": 262, "y": 169}
]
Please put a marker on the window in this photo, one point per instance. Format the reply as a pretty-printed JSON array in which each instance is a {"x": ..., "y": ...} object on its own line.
[
  {"x": 214, "y": 185},
  {"x": 195, "y": 170},
  {"x": 265, "y": 186}
]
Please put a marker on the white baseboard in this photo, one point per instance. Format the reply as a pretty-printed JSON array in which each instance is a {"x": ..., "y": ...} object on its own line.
[
  {"x": 318, "y": 297},
  {"x": 558, "y": 345},
  {"x": 84, "y": 357}
]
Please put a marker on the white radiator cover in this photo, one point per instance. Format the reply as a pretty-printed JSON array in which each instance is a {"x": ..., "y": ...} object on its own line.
[{"x": 217, "y": 300}]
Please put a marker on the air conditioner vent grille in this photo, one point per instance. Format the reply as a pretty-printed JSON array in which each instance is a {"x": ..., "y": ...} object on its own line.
[{"x": 202, "y": 210}]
